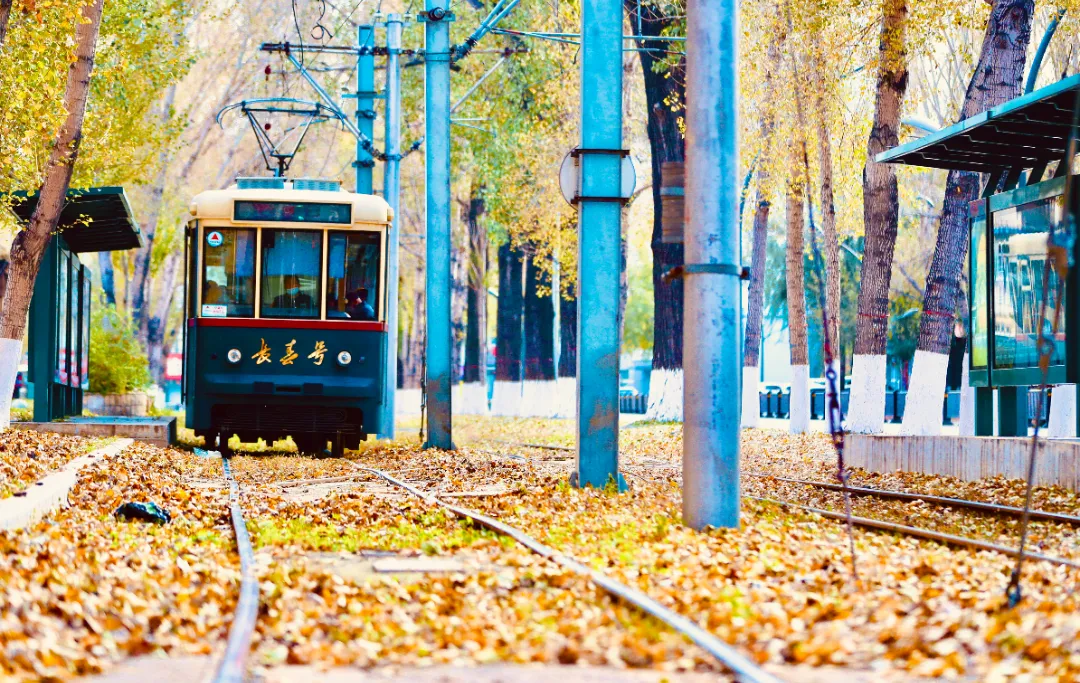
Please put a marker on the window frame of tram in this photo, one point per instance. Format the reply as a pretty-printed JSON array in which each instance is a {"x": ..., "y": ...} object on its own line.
[
  {"x": 257, "y": 302},
  {"x": 997, "y": 291},
  {"x": 291, "y": 272}
]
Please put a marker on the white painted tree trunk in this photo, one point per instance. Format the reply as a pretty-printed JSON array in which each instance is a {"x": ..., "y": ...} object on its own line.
[
  {"x": 799, "y": 416},
  {"x": 665, "y": 395},
  {"x": 751, "y": 404},
  {"x": 473, "y": 399},
  {"x": 922, "y": 411},
  {"x": 866, "y": 405},
  {"x": 10, "y": 353},
  {"x": 407, "y": 402},
  {"x": 1062, "y": 423},
  {"x": 506, "y": 399},
  {"x": 538, "y": 398},
  {"x": 967, "y": 402},
  {"x": 566, "y": 397}
]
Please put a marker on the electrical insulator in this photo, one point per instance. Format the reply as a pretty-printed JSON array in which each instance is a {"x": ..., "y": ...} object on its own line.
[
  {"x": 266, "y": 125},
  {"x": 267, "y": 72}
]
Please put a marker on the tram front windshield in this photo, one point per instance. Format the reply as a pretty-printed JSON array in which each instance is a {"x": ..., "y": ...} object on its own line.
[{"x": 291, "y": 273}]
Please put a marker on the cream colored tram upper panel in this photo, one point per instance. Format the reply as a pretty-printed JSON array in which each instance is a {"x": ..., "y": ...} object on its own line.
[{"x": 217, "y": 205}]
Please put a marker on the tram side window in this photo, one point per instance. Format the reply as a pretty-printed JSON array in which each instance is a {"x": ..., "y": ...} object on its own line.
[
  {"x": 291, "y": 273},
  {"x": 228, "y": 277},
  {"x": 352, "y": 275}
]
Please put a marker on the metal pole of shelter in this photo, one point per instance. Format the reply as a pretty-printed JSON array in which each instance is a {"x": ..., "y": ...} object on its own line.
[
  {"x": 365, "y": 106},
  {"x": 599, "y": 235},
  {"x": 712, "y": 292},
  {"x": 437, "y": 159},
  {"x": 392, "y": 194}
]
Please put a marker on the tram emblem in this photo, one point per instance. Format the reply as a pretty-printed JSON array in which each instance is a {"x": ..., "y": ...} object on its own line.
[{"x": 214, "y": 238}]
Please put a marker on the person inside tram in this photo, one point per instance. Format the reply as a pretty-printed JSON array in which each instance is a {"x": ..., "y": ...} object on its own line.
[
  {"x": 292, "y": 296},
  {"x": 359, "y": 308},
  {"x": 214, "y": 293}
]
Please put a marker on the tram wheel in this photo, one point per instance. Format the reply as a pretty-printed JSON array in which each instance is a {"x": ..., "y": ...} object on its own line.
[
  {"x": 337, "y": 446},
  {"x": 311, "y": 445},
  {"x": 223, "y": 445}
]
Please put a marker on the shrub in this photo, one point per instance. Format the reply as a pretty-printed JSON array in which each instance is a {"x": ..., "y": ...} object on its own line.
[{"x": 118, "y": 364}]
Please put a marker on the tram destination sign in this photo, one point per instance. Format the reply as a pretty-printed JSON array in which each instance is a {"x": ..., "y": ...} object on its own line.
[{"x": 292, "y": 212}]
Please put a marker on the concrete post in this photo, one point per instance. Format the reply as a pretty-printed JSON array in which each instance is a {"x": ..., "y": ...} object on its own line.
[
  {"x": 599, "y": 234},
  {"x": 437, "y": 157},
  {"x": 365, "y": 105},
  {"x": 392, "y": 194},
  {"x": 712, "y": 292}
]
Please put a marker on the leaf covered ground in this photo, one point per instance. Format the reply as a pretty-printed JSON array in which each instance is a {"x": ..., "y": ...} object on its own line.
[
  {"x": 26, "y": 457},
  {"x": 83, "y": 590}
]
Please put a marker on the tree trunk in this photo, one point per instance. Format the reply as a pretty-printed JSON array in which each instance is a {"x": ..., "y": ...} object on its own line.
[
  {"x": 796, "y": 304},
  {"x": 158, "y": 320},
  {"x": 141, "y": 281},
  {"x": 5, "y": 16},
  {"x": 508, "y": 341},
  {"x": 998, "y": 78},
  {"x": 30, "y": 243},
  {"x": 539, "y": 325},
  {"x": 666, "y": 143},
  {"x": 476, "y": 329},
  {"x": 881, "y": 213},
  {"x": 568, "y": 334},
  {"x": 105, "y": 272},
  {"x": 755, "y": 299}
]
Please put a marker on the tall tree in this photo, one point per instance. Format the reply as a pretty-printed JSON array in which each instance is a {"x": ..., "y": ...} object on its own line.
[
  {"x": 998, "y": 78},
  {"x": 796, "y": 301},
  {"x": 476, "y": 326},
  {"x": 508, "y": 332},
  {"x": 5, "y": 16},
  {"x": 539, "y": 309},
  {"x": 881, "y": 214},
  {"x": 760, "y": 235},
  {"x": 29, "y": 245},
  {"x": 666, "y": 143}
]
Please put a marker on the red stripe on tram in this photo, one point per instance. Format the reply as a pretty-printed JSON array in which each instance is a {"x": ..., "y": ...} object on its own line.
[{"x": 274, "y": 323}]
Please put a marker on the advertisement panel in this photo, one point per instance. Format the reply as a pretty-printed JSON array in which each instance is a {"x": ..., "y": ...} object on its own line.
[
  {"x": 62, "y": 299},
  {"x": 84, "y": 346}
]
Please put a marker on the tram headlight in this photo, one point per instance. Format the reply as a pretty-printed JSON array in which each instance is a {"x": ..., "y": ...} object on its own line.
[
  {"x": 234, "y": 356},
  {"x": 344, "y": 358}
]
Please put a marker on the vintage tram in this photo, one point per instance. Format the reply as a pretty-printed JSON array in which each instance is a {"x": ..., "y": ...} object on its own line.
[{"x": 285, "y": 313}]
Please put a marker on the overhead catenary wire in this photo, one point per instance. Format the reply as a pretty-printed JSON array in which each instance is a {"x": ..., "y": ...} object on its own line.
[{"x": 741, "y": 666}]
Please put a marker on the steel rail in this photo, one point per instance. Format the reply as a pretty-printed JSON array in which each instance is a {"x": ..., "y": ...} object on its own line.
[
  {"x": 233, "y": 666},
  {"x": 937, "y": 500},
  {"x": 995, "y": 508},
  {"x": 743, "y": 668},
  {"x": 919, "y": 532}
]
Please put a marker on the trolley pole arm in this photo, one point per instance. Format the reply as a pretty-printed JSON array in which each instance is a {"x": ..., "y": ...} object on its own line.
[{"x": 477, "y": 84}]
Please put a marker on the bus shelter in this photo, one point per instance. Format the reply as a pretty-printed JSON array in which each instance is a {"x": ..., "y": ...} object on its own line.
[
  {"x": 1021, "y": 150},
  {"x": 93, "y": 220}
]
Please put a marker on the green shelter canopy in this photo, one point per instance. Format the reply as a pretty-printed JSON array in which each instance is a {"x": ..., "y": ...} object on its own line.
[
  {"x": 94, "y": 219},
  {"x": 1027, "y": 132}
]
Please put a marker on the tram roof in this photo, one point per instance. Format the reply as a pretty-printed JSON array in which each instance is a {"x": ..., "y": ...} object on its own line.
[
  {"x": 218, "y": 204},
  {"x": 1022, "y": 133},
  {"x": 93, "y": 219}
]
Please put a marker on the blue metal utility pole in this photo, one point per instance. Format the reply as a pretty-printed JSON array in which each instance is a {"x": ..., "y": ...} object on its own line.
[
  {"x": 365, "y": 105},
  {"x": 392, "y": 195},
  {"x": 712, "y": 292},
  {"x": 437, "y": 160},
  {"x": 599, "y": 234}
]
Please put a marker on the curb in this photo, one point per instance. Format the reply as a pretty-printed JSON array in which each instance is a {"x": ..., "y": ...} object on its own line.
[{"x": 51, "y": 492}]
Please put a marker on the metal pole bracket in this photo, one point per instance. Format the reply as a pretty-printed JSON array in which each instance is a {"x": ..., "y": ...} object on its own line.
[{"x": 679, "y": 272}]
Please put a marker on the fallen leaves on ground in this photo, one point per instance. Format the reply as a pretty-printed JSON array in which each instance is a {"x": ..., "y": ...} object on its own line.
[
  {"x": 26, "y": 456},
  {"x": 82, "y": 589}
]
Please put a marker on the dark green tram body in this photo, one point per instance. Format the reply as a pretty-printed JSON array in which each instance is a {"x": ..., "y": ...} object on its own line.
[{"x": 272, "y": 400}]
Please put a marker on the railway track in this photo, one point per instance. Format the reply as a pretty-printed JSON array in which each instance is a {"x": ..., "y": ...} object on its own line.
[
  {"x": 879, "y": 525},
  {"x": 233, "y": 665}
]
